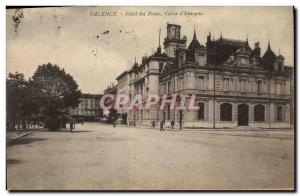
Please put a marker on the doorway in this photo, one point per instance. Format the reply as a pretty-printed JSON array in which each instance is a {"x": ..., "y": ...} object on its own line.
[{"x": 243, "y": 115}]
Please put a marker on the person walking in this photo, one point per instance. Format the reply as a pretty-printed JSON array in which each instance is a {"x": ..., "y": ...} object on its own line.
[
  {"x": 153, "y": 124},
  {"x": 172, "y": 124},
  {"x": 71, "y": 125},
  {"x": 114, "y": 123},
  {"x": 161, "y": 127}
]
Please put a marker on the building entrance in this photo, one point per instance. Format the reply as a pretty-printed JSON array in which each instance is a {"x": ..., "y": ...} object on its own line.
[{"x": 243, "y": 115}]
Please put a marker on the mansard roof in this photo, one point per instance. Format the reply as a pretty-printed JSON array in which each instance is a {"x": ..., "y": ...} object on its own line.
[
  {"x": 280, "y": 57},
  {"x": 269, "y": 54},
  {"x": 195, "y": 43},
  {"x": 159, "y": 56},
  {"x": 232, "y": 41},
  {"x": 122, "y": 74}
]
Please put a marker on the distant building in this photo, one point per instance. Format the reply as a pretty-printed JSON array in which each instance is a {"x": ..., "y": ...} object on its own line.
[
  {"x": 234, "y": 84},
  {"x": 111, "y": 113},
  {"x": 112, "y": 90},
  {"x": 89, "y": 106}
]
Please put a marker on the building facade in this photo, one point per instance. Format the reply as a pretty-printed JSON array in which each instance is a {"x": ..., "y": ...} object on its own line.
[
  {"x": 235, "y": 85},
  {"x": 88, "y": 106}
]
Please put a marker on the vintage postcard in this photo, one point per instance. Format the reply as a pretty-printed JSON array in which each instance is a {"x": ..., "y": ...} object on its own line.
[{"x": 150, "y": 98}]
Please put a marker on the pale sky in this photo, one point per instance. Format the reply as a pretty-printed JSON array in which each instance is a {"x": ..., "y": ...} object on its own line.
[{"x": 68, "y": 37}]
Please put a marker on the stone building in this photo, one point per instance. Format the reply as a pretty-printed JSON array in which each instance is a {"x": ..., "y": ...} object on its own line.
[
  {"x": 235, "y": 85},
  {"x": 88, "y": 106}
]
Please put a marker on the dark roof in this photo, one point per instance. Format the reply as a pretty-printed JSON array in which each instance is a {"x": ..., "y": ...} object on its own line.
[
  {"x": 157, "y": 55},
  {"x": 194, "y": 43},
  {"x": 134, "y": 67},
  {"x": 220, "y": 50},
  {"x": 121, "y": 75},
  {"x": 243, "y": 51},
  {"x": 280, "y": 57},
  {"x": 232, "y": 41},
  {"x": 269, "y": 54},
  {"x": 192, "y": 47}
]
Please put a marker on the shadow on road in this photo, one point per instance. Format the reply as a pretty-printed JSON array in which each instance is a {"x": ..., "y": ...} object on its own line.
[
  {"x": 13, "y": 161},
  {"x": 22, "y": 141},
  {"x": 80, "y": 131}
]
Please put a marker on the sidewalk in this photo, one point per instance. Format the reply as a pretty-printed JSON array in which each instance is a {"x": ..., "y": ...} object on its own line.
[{"x": 284, "y": 133}]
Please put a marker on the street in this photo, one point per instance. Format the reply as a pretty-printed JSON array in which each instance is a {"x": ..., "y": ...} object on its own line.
[{"x": 100, "y": 157}]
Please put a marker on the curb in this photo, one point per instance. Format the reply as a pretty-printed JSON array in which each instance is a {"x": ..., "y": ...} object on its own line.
[{"x": 25, "y": 134}]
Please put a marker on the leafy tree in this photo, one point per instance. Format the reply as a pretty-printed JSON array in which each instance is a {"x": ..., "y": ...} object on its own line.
[
  {"x": 57, "y": 91},
  {"x": 22, "y": 102}
]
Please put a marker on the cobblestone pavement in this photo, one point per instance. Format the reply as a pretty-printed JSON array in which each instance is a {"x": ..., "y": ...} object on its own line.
[{"x": 100, "y": 157}]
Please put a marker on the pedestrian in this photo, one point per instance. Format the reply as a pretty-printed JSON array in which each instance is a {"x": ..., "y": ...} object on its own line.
[
  {"x": 82, "y": 123},
  {"x": 114, "y": 123},
  {"x": 153, "y": 124},
  {"x": 180, "y": 124},
  {"x": 161, "y": 127},
  {"x": 172, "y": 124},
  {"x": 71, "y": 125}
]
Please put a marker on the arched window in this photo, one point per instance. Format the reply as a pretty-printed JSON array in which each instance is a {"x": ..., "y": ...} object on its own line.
[
  {"x": 226, "y": 112},
  {"x": 279, "y": 113},
  {"x": 200, "y": 111},
  {"x": 259, "y": 113}
]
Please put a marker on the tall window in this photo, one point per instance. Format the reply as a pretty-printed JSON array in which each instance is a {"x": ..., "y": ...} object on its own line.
[
  {"x": 279, "y": 113},
  {"x": 169, "y": 86},
  {"x": 200, "y": 82},
  {"x": 278, "y": 88},
  {"x": 181, "y": 83},
  {"x": 181, "y": 59},
  {"x": 243, "y": 85},
  {"x": 200, "y": 111},
  {"x": 226, "y": 112},
  {"x": 226, "y": 84},
  {"x": 259, "y": 86},
  {"x": 259, "y": 113}
]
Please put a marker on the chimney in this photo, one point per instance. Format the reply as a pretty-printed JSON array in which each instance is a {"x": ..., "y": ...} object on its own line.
[
  {"x": 256, "y": 50},
  {"x": 208, "y": 39}
]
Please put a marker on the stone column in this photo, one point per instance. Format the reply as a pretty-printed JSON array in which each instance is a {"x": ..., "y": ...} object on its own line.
[{"x": 251, "y": 113}]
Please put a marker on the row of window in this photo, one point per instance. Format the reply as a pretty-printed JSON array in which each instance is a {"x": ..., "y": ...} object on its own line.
[
  {"x": 260, "y": 88},
  {"x": 259, "y": 112},
  {"x": 88, "y": 106},
  {"x": 226, "y": 112},
  {"x": 83, "y": 112},
  {"x": 200, "y": 84}
]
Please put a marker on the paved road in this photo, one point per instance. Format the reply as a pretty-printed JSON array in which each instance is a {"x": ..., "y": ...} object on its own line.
[{"x": 100, "y": 157}]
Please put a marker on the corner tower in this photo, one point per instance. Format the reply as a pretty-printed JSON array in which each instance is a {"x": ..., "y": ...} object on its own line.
[{"x": 173, "y": 40}]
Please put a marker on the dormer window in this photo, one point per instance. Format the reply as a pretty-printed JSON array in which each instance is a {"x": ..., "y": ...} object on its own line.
[{"x": 280, "y": 67}]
